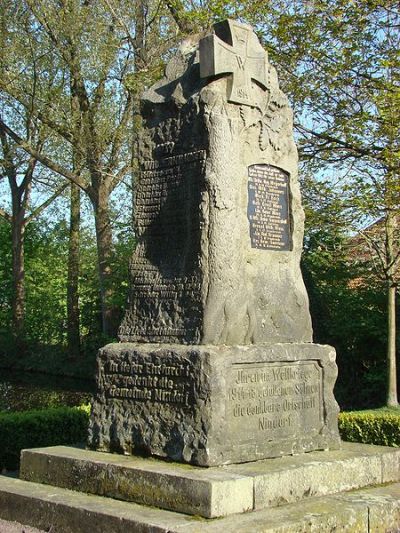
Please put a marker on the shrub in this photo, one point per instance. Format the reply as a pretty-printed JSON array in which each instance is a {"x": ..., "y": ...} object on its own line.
[
  {"x": 32, "y": 429},
  {"x": 381, "y": 427}
]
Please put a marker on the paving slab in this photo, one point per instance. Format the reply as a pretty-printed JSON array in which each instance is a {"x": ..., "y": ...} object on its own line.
[
  {"x": 373, "y": 510},
  {"x": 217, "y": 491},
  {"x": 383, "y": 506}
]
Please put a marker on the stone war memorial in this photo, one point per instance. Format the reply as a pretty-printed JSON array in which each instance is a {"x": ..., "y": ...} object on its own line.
[
  {"x": 216, "y": 401},
  {"x": 216, "y": 363}
]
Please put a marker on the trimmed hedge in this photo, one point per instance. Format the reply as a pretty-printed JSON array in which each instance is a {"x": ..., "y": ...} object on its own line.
[
  {"x": 33, "y": 429},
  {"x": 371, "y": 427}
]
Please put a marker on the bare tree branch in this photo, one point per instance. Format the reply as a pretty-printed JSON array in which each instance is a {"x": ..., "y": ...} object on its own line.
[
  {"x": 335, "y": 140},
  {"x": 119, "y": 133},
  {"x": 47, "y": 202},
  {"x": 27, "y": 182},
  {"x": 5, "y": 215},
  {"x": 120, "y": 21},
  {"x": 118, "y": 177},
  {"x": 52, "y": 165}
]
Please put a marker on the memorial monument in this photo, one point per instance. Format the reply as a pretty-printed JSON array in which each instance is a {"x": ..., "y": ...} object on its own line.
[{"x": 216, "y": 362}]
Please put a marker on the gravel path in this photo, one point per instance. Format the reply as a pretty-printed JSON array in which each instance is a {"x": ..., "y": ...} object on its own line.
[{"x": 15, "y": 527}]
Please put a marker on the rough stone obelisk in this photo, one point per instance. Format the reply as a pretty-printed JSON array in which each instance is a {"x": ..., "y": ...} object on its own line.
[{"x": 216, "y": 362}]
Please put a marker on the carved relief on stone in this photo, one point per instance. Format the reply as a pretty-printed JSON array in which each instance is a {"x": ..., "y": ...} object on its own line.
[{"x": 235, "y": 50}]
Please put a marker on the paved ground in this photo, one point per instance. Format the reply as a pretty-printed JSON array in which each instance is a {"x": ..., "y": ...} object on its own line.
[{"x": 14, "y": 527}]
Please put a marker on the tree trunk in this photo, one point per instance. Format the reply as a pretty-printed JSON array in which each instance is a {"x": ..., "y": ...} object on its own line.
[
  {"x": 141, "y": 64},
  {"x": 390, "y": 226},
  {"x": 109, "y": 313},
  {"x": 18, "y": 275},
  {"x": 391, "y": 400},
  {"x": 73, "y": 318}
]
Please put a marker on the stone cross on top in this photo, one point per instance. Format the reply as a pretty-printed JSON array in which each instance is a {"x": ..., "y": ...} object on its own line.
[{"x": 234, "y": 49}]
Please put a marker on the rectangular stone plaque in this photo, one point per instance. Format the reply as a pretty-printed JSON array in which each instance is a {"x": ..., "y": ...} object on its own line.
[
  {"x": 268, "y": 208},
  {"x": 275, "y": 398}
]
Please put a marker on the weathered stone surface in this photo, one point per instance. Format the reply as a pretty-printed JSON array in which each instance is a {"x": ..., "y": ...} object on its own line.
[
  {"x": 234, "y": 49},
  {"x": 212, "y": 405},
  {"x": 383, "y": 505},
  {"x": 322, "y": 515},
  {"x": 371, "y": 510},
  {"x": 63, "y": 511},
  {"x": 218, "y": 215},
  {"x": 390, "y": 467},
  {"x": 204, "y": 492},
  {"x": 211, "y": 492},
  {"x": 289, "y": 479},
  {"x": 16, "y": 527}
]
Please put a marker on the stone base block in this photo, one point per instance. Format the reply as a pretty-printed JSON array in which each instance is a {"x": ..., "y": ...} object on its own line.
[
  {"x": 212, "y": 492},
  {"x": 214, "y": 405}
]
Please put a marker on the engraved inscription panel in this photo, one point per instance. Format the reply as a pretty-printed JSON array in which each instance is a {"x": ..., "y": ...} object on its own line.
[
  {"x": 165, "y": 296},
  {"x": 277, "y": 400},
  {"x": 268, "y": 208},
  {"x": 162, "y": 381}
]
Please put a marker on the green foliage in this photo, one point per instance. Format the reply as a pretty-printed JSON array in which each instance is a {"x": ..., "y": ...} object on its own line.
[
  {"x": 200, "y": 14},
  {"x": 31, "y": 429},
  {"x": 380, "y": 427},
  {"x": 46, "y": 281},
  {"x": 92, "y": 337},
  {"x": 46, "y": 256},
  {"x": 353, "y": 320},
  {"x": 347, "y": 306}
]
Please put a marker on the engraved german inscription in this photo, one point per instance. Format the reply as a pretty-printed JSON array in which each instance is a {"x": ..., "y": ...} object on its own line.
[
  {"x": 278, "y": 398},
  {"x": 164, "y": 381},
  {"x": 165, "y": 291},
  {"x": 268, "y": 208}
]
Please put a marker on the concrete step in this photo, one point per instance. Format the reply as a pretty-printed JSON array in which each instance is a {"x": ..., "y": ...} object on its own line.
[
  {"x": 217, "y": 491},
  {"x": 64, "y": 511}
]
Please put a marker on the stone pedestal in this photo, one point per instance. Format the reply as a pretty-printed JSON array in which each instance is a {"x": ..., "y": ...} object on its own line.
[{"x": 213, "y": 405}]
